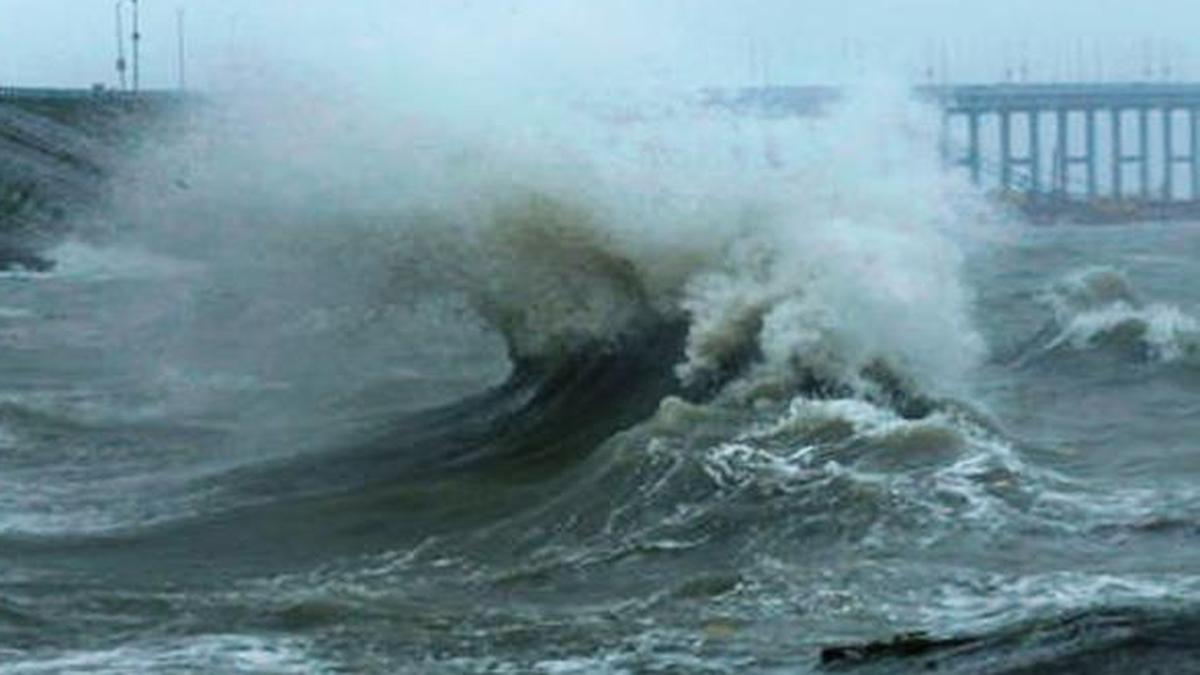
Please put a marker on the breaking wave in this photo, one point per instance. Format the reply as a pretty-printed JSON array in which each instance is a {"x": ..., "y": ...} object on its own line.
[{"x": 824, "y": 264}]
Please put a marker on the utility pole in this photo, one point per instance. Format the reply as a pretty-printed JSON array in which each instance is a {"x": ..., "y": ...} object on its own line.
[
  {"x": 1024, "y": 63},
  {"x": 180, "y": 31},
  {"x": 137, "y": 38},
  {"x": 944, "y": 58},
  {"x": 1147, "y": 60},
  {"x": 121, "y": 64}
]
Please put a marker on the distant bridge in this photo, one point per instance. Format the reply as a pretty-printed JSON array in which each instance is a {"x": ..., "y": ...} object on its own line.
[{"x": 1062, "y": 141}]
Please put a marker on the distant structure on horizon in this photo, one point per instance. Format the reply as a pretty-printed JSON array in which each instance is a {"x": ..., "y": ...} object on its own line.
[{"x": 1081, "y": 151}]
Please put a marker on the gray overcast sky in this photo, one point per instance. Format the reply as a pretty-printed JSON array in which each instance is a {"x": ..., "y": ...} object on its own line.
[{"x": 373, "y": 43}]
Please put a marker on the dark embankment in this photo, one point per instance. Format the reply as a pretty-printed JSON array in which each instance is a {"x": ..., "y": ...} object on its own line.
[{"x": 58, "y": 148}]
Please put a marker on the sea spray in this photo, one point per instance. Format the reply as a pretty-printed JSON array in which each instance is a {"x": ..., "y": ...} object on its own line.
[{"x": 821, "y": 246}]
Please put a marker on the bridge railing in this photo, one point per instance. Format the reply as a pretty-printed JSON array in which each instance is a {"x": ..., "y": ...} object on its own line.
[{"x": 69, "y": 94}]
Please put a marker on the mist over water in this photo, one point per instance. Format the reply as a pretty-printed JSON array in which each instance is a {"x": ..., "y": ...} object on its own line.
[{"x": 534, "y": 361}]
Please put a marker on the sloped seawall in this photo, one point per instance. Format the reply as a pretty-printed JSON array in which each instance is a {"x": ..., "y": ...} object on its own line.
[{"x": 58, "y": 148}]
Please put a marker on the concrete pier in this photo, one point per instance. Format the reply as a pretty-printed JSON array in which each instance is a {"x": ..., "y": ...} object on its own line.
[
  {"x": 1121, "y": 147},
  {"x": 1153, "y": 106}
]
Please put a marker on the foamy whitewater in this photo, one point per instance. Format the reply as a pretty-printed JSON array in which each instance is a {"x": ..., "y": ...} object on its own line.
[{"x": 321, "y": 386}]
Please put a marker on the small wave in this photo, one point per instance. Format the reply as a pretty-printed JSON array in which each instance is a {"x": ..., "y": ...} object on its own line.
[
  {"x": 1099, "y": 309},
  {"x": 75, "y": 260},
  {"x": 1090, "y": 289},
  {"x": 855, "y": 459},
  {"x": 1157, "y": 332}
]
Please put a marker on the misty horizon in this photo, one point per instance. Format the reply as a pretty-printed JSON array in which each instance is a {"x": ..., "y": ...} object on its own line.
[{"x": 72, "y": 43}]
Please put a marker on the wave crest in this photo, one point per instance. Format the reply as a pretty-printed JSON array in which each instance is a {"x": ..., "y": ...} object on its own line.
[{"x": 1099, "y": 308}]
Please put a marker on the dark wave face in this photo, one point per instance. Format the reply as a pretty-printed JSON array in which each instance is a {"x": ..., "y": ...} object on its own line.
[{"x": 401, "y": 398}]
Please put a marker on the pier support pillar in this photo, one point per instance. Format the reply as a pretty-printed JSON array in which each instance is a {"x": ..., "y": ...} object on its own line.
[
  {"x": 1089, "y": 151},
  {"x": 1062, "y": 155},
  {"x": 1005, "y": 150},
  {"x": 1144, "y": 152},
  {"x": 973, "y": 159},
  {"x": 944, "y": 139},
  {"x": 1035, "y": 151},
  {"x": 1168, "y": 129},
  {"x": 1118, "y": 159},
  {"x": 1194, "y": 119}
]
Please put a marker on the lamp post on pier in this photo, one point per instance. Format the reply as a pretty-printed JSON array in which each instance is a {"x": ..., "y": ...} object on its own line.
[
  {"x": 137, "y": 38},
  {"x": 121, "y": 63},
  {"x": 181, "y": 35}
]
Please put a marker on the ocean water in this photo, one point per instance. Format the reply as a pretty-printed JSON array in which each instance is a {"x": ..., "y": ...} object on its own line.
[{"x": 683, "y": 394}]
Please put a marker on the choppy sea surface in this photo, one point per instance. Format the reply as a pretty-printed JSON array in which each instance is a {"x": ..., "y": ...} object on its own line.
[{"x": 810, "y": 420}]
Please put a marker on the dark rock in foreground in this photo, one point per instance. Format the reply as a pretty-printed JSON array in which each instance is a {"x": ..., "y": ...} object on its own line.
[{"x": 1102, "y": 641}]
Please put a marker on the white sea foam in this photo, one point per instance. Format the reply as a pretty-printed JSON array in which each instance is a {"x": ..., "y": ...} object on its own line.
[
  {"x": 205, "y": 653},
  {"x": 960, "y": 606},
  {"x": 1099, "y": 306},
  {"x": 14, "y": 313},
  {"x": 79, "y": 261}
]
